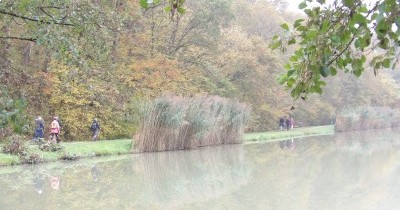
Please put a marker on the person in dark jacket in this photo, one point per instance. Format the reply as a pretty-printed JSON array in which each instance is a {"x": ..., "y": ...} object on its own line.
[
  {"x": 288, "y": 123},
  {"x": 281, "y": 123},
  {"x": 95, "y": 128},
  {"x": 39, "y": 129}
]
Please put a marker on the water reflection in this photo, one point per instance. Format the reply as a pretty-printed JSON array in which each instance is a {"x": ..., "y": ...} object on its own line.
[
  {"x": 169, "y": 179},
  {"x": 288, "y": 144},
  {"x": 55, "y": 182},
  {"x": 38, "y": 183},
  {"x": 358, "y": 170}
]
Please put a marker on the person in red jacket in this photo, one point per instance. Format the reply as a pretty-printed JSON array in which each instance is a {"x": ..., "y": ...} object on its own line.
[{"x": 54, "y": 130}]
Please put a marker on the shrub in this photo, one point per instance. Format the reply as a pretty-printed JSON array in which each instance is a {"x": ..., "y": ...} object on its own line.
[
  {"x": 15, "y": 145},
  {"x": 50, "y": 147},
  {"x": 364, "y": 118},
  {"x": 69, "y": 156},
  {"x": 32, "y": 158},
  {"x": 172, "y": 122}
]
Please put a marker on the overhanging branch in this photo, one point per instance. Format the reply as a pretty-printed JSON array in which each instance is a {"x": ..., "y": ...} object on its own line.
[
  {"x": 35, "y": 20},
  {"x": 18, "y": 38}
]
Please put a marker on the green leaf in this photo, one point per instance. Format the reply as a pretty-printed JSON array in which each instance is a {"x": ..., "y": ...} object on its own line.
[
  {"x": 363, "y": 9},
  {"x": 282, "y": 79},
  {"x": 302, "y": 5},
  {"x": 290, "y": 72},
  {"x": 333, "y": 71},
  {"x": 287, "y": 66},
  {"x": 335, "y": 39},
  {"x": 318, "y": 90},
  {"x": 321, "y": 1},
  {"x": 285, "y": 26},
  {"x": 360, "y": 19},
  {"x": 293, "y": 58},
  {"x": 302, "y": 28},
  {"x": 325, "y": 26},
  {"x": 384, "y": 43},
  {"x": 275, "y": 45},
  {"x": 311, "y": 34},
  {"x": 297, "y": 23},
  {"x": 143, "y": 4},
  {"x": 386, "y": 63},
  {"x": 377, "y": 65},
  {"x": 324, "y": 71},
  {"x": 292, "y": 41},
  {"x": 357, "y": 72},
  {"x": 181, "y": 10},
  {"x": 168, "y": 9},
  {"x": 381, "y": 29},
  {"x": 290, "y": 82},
  {"x": 348, "y": 3}
]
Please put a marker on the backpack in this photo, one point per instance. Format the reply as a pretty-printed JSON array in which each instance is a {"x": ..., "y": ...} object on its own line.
[
  {"x": 94, "y": 126},
  {"x": 54, "y": 124}
]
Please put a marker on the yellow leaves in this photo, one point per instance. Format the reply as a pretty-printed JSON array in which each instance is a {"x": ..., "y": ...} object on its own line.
[{"x": 157, "y": 75}]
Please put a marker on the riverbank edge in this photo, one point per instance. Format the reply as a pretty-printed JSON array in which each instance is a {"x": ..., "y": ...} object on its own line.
[{"x": 123, "y": 146}]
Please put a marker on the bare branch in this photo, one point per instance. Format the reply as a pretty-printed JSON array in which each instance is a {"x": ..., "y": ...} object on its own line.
[
  {"x": 35, "y": 20},
  {"x": 19, "y": 38}
]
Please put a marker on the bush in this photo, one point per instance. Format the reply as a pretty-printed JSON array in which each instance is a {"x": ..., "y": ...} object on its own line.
[
  {"x": 15, "y": 145},
  {"x": 69, "y": 156},
  {"x": 172, "y": 122},
  {"x": 365, "y": 118},
  {"x": 32, "y": 158},
  {"x": 50, "y": 147}
]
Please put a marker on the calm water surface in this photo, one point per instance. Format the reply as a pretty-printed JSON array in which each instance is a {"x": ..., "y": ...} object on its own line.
[{"x": 347, "y": 171}]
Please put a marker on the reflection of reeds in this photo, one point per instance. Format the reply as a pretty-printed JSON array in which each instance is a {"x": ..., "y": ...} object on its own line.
[
  {"x": 170, "y": 178},
  {"x": 365, "y": 118},
  {"x": 172, "y": 122}
]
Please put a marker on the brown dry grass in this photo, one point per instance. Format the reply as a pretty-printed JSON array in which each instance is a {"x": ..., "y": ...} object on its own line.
[{"x": 173, "y": 123}]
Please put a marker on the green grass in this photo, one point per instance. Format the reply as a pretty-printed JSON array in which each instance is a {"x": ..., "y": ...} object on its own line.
[
  {"x": 6, "y": 159},
  {"x": 87, "y": 149},
  {"x": 123, "y": 146},
  {"x": 295, "y": 133}
]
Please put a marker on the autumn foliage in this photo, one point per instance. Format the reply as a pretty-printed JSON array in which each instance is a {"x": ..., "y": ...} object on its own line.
[{"x": 217, "y": 47}]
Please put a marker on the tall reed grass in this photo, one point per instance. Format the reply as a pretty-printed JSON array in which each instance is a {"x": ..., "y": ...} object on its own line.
[
  {"x": 174, "y": 122},
  {"x": 365, "y": 118}
]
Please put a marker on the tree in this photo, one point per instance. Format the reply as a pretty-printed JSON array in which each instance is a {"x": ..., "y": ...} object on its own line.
[
  {"x": 340, "y": 36},
  {"x": 77, "y": 32}
]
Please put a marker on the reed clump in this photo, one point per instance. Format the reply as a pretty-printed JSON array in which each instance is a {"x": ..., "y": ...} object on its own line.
[
  {"x": 366, "y": 118},
  {"x": 175, "y": 122}
]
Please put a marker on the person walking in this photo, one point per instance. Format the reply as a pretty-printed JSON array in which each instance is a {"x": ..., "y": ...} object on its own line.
[
  {"x": 287, "y": 123},
  {"x": 39, "y": 129},
  {"x": 95, "y": 128},
  {"x": 54, "y": 130},
  {"x": 59, "y": 132},
  {"x": 291, "y": 123},
  {"x": 281, "y": 123}
]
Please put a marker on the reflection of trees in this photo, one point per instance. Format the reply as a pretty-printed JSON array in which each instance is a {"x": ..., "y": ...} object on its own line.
[
  {"x": 162, "y": 180},
  {"x": 317, "y": 174}
]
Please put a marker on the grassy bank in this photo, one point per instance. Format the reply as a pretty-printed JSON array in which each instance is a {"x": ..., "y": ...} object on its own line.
[
  {"x": 123, "y": 146},
  {"x": 295, "y": 133}
]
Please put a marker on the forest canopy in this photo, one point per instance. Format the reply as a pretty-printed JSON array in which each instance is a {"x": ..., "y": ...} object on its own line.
[{"x": 84, "y": 59}]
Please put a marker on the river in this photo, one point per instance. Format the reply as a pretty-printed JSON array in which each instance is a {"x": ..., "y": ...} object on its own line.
[{"x": 355, "y": 170}]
